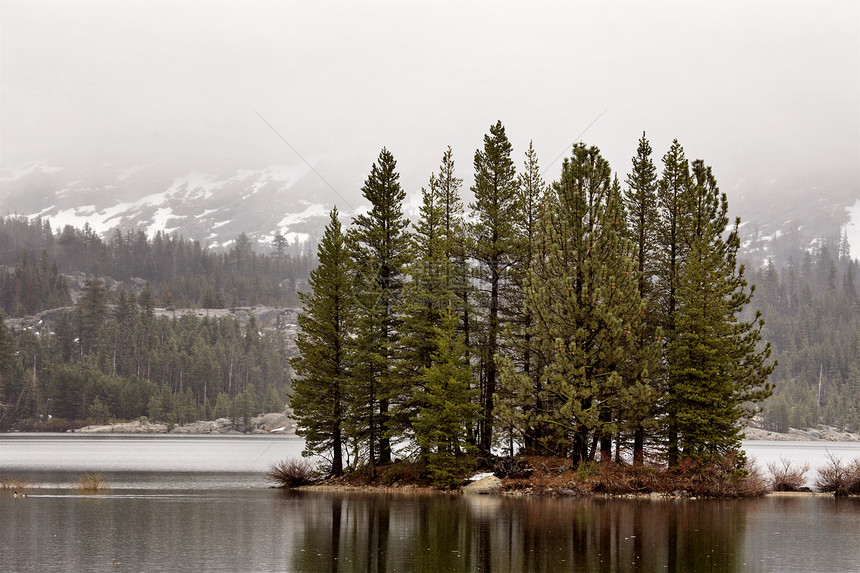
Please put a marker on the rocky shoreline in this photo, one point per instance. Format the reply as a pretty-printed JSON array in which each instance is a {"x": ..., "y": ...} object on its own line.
[
  {"x": 273, "y": 423},
  {"x": 819, "y": 434}
]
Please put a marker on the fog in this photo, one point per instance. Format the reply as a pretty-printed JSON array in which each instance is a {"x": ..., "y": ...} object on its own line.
[{"x": 762, "y": 91}]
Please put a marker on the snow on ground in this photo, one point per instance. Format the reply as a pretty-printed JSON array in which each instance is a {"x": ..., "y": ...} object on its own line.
[{"x": 159, "y": 221}]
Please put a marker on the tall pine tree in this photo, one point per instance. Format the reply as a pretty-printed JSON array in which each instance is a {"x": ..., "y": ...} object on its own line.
[
  {"x": 673, "y": 204},
  {"x": 640, "y": 203},
  {"x": 319, "y": 393},
  {"x": 493, "y": 238},
  {"x": 716, "y": 366},
  {"x": 380, "y": 249}
]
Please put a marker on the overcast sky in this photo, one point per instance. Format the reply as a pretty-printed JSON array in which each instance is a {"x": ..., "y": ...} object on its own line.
[{"x": 758, "y": 89}]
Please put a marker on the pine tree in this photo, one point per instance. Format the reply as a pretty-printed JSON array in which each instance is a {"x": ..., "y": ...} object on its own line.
[
  {"x": 319, "y": 392},
  {"x": 493, "y": 238},
  {"x": 435, "y": 283},
  {"x": 716, "y": 367},
  {"x": 6, "y": 355},
  {"x": 520, "y": 402},
  {"x": 673, "y": 204},
  {"x": 448, "y": 411},
  {"x": 379, "y": 243},
  {"x": 91, "y": 312},
  {"x": 640, "y": 203},
  {"x": 587, "y": 313}
]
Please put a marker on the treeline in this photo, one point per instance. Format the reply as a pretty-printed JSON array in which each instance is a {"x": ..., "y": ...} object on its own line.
[
  {"x": 181, "y": 272},
  {"x": 813, "y": 311},
  {"x": 118, "y": 360},
  {"x": 581, "y": 318}
]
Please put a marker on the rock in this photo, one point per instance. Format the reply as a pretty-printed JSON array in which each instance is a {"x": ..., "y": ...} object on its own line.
[{"x": 487, "y": 485}]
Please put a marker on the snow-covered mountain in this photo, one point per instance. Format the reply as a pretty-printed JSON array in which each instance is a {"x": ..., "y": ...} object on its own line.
[{"x": 215, "y": 207}]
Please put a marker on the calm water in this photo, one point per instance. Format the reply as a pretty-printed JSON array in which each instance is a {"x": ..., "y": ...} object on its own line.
[{"x": 202, "y": 504}]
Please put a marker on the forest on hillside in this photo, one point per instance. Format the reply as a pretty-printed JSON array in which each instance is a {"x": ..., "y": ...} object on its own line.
[
  {"x": 812, "y": 310},
  {"x": 181, "y": 273},
  {"x": 101, "y": 352}
]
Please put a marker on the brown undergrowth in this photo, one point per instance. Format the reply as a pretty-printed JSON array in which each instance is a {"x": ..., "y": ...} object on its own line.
[
  {"x": 90, "y": 483},
  {"x": 554, "y": 476},
  {"x": 838, "y": 477},
  {"x": 558, "y": 476}
]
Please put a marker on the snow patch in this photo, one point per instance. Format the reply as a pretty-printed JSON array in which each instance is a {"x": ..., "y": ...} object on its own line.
[
  {"x": 159, "y": 221},
  {"x": 314, "y": 210},
  {"x": 205, "y": 213}
]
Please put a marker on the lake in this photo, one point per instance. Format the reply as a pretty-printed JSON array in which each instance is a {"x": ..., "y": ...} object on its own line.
[{"x": 201, "y": 503}]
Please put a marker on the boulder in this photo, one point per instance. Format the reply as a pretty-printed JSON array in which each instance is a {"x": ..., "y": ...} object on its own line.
[{"x": 487, "y": 485}]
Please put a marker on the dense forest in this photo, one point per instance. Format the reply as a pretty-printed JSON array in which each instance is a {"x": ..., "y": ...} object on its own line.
[
  {"x": 813, "y": 321},
  {"x": 110, "y": 355},
  {"x": 580, "y": 318},
  {"x": 181, "y": 273}
]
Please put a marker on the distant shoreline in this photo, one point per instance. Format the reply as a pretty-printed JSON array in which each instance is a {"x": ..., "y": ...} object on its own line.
[
  {"x": 279, "y": 423},
  {"x": 819, "y": 434}
]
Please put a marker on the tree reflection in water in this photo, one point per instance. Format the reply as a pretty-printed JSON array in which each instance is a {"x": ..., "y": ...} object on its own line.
[{"x": 435, "y": 533}]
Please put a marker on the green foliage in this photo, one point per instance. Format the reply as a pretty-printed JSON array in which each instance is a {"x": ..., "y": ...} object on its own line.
[
  {"x": 717, "y": 371},
  {"x": 99, "y": 413},
  {"x": 380, "y": 247},
  {"x": 814, "y": 325},
  {"x": 186, "y": 273},
  {"x": 448, "y": 410},
  {"x": 492, "y": 242},
  {"x": 319, "y": 394}
]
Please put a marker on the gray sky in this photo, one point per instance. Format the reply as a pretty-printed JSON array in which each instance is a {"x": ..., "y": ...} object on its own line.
[{"x": 760, "y": 90}]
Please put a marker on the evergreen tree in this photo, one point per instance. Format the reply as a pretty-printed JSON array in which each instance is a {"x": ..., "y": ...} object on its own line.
[
  {"x": 640, "y": 202},
  {"x": 583, "y": 296},
  {"x": 91, "y": 312},
  {"x": 519, "y": 404},
  {"x": 443, "y": 421},
  {"x": 426, "y": 296},
  {"x": 493, "y": 237},
  {"x": 380, "y": 250},
  {"x": 716, "y": 368},
  {"x": 319, "y": 396},
  {"x": 6, "y": 355},
  {"x": 673, "y": 204}
]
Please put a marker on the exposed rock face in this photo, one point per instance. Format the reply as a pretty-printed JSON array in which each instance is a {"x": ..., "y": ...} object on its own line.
[
  {"x": 487, "y": 485},
  {"x": 126, "y": 428}
]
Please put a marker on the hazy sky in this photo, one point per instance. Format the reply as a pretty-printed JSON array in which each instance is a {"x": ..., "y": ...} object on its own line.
[{"x": 758, "y": 89}]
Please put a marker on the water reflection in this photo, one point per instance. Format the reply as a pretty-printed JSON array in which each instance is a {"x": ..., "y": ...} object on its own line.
[
  {"x": 433, "y": 533},
  {"x": 256, "y": 529}
]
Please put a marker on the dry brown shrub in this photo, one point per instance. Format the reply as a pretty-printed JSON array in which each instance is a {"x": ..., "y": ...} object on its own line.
[
  {"x": 717, "y": 478},
  {"x": 838, "y": 477},
  {"x": 785, "y": 477},
  {"x": 13, "y": 483},
  {"x": 620, "y": 479},
  {"x": 90, "y": 483},
  {"x": 292, "y": 472}
]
